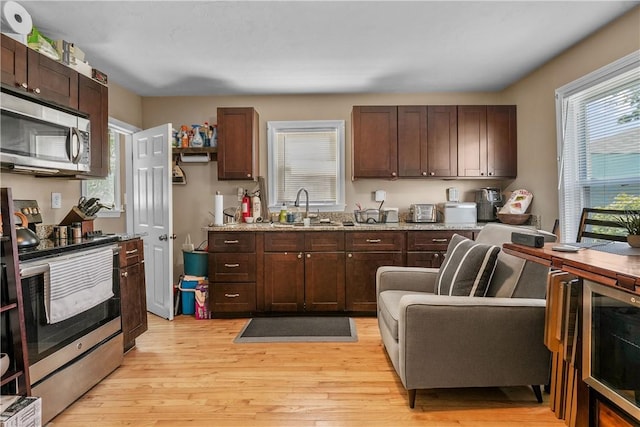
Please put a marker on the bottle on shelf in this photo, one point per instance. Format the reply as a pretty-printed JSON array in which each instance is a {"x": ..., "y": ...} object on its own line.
[
  {"x": 196, "y": 140},
  {"x": 184, "y": 136},
  {"x": 204, "y": 133}
]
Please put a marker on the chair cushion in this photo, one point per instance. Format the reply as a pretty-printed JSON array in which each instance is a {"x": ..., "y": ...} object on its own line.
[
  {"x": 467, "y": 268},
  {"x": 389, "y": 309}
]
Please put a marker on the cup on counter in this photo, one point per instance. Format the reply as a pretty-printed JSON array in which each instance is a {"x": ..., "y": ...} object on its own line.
[
  {"x": 306, "y": 222},
  {"x": 60, "y": 232}
]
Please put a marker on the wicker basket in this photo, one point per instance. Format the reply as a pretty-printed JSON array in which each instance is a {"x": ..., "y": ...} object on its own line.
[{"x": 513, "y": 219}]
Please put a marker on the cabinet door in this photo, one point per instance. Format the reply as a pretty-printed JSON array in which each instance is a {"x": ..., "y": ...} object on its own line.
[
  {"x": 93, "y": 99},
  {"x": 502, "y": 143},
  {"x": 284, "y": 281},
  {"x": 14, "y": 63},
  {"x": 442, "y": 140},
  {"x": 412, "y": 141},
  {"x": 51, "y": 80},
  {"x": 375, "y": 142},
  {"x": 133, "y": 303},
  {"x": 472, "y": 140},
  {"x": 360, "y": 275},
  {"x": 237, "y": 143},
  {"x": 324, "y": 281}
]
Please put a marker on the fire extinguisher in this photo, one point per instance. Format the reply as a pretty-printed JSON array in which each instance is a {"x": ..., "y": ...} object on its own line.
[{"x": 246, "y": 206}]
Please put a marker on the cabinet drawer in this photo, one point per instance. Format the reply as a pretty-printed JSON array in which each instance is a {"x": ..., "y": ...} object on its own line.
[
  {"x": 284, "y": 242},
  {"x": 232, "y": 242},
  {"x": 232, "y": 267},
  {"x": 432, "y": 240},
  {"x": 368, "y": 241},
  {"x": 428, "y": 259},
  {"x": 131, "y": 252},
  {"x": 232, "y": 297},
  {"x": 324, "y": 241}
]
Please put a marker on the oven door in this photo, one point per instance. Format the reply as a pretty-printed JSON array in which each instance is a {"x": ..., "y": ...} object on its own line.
[{"x": 52, "y": 345}]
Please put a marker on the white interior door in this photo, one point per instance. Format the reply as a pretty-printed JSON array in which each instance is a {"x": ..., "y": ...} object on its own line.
[{"x": 153, "y": 214}]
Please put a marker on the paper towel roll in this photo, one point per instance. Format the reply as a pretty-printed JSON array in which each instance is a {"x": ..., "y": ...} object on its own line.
[
  {"x": 218, "y": 214},
  {"x": 15, "y": 18}
]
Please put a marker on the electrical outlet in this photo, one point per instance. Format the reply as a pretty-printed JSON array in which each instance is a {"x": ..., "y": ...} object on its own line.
[{"x": 56, "y": 200}]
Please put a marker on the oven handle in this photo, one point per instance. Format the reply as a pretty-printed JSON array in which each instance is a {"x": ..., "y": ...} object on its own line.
[{"x": 33, "y": 270}]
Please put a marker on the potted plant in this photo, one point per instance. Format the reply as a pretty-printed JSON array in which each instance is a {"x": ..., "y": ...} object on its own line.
[{"x": 631, "y": 222}]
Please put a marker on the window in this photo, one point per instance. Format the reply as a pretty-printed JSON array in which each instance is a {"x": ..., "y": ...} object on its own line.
[
  {"x": 598, "y": 119},
  {"x": 108, "y": 189},
  {"x": 310, "y": 155}
]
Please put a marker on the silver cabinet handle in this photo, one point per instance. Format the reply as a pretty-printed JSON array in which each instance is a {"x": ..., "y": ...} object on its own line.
[
  {"x": 439, "y": 240},
  {"x": 350, "y": 255},
  {"x": 374, "y": 240},
  {"x": 132, "y": 251},
  {"x": 231, "y": 242},
  {"x": 125, "y": 274},
  {"x": 299, "y": 256},
  {"x": 36, "y": 90},
  {"x": 232, "y": 295},
  {"x": 308, "y": 255},
  {"x": 24, "y": 85},
  {"x": 232, "y": 265}
]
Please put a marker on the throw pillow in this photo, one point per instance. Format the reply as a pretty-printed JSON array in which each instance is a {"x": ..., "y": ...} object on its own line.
[{"x": 467, "y": 268}]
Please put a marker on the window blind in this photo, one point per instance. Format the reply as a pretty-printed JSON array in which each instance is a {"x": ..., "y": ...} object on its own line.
[
  {"x": 599, "y": 142},
  {"x": 306, "y": 155}
]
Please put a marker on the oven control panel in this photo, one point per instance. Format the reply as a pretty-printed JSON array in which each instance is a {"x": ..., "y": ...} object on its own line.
[{"x": 30, "y": 209}]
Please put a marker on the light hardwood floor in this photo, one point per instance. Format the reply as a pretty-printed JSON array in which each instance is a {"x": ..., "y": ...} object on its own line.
[{"x": 189, "y": 372}]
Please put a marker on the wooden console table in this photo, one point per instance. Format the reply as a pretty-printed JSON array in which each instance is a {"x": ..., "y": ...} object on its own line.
[
  {"x": 583, "y": 406},
  {"x": 593, "y": 264}
]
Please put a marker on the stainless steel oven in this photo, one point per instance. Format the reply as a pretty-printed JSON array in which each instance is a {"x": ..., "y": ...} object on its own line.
[
  {"x": 68, "y": 357},
  {"x": 611, "y": 345}
]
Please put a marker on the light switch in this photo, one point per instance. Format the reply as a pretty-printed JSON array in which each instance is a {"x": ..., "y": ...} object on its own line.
[{"x": 56, "y": 200}]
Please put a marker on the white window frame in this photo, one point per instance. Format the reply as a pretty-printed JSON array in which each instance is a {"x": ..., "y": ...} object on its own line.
[
  {"x": 275, "y": 127},
  {"x": 569, "y": 215},
  {"x": 127, "y": 130}
]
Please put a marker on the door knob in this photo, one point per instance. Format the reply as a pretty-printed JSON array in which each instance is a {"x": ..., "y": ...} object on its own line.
[
  {"x": 163, "y": 237},
  {"x": 173, "y": 237}
]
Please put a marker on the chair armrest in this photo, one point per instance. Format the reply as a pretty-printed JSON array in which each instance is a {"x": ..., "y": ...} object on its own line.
[{"x": 415, "y": 279}]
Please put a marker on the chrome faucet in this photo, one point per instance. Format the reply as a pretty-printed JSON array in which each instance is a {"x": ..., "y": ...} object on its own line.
[{"x": 297, "y": 202}]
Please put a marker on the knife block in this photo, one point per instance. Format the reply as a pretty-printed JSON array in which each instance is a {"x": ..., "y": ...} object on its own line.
[{"x": 76, "y": 215}]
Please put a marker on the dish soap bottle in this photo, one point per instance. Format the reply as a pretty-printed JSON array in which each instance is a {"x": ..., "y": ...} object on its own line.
[
  {"x": 196, "y": 141},
  {"x": 283, "y": 214}
]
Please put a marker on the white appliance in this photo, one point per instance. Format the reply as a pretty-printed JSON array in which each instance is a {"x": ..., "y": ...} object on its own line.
[{"x": 460, "y": 213}]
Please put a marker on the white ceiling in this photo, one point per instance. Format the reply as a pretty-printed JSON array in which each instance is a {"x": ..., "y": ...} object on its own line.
[{"x": 164, "y": 48}]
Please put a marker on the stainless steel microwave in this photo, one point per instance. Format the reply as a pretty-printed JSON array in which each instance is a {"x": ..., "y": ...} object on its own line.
[{"x": 40, "y": 138}]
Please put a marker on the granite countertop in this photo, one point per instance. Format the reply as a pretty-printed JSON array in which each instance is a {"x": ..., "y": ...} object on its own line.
[{"x": 338, "y": 226}]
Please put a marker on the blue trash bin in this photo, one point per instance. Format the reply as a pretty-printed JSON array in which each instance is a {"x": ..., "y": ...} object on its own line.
[
  {"x": 188, "y": 296},
  {"x": 195, "y": 263}
]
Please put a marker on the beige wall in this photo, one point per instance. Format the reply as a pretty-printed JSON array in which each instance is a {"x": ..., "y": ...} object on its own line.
[{"x": 534, "y": 96}]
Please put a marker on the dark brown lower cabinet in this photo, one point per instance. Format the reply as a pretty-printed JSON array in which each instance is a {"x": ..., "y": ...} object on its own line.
[
  {"x": 361, "y": 270},
  {"x": 304, "y": 272},
  {"x": 133, "y": 294}
]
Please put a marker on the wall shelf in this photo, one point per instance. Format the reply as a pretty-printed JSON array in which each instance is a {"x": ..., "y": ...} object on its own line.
[{"x": 212, "y": 152}]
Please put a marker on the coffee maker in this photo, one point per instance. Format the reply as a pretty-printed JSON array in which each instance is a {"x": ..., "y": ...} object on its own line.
[{"x": 489, "y": 200}]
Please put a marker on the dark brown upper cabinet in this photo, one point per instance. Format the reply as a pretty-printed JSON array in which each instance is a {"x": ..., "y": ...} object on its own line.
[
  {"x": 237, "y": 143},
  {"x": 375, "y": 142},
  {"x": 93, "y": 99},
  {"x": 487, "y": 142}
]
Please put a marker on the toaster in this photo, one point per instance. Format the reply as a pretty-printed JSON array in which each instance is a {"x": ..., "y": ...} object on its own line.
[{"x": 426, "y": 212}]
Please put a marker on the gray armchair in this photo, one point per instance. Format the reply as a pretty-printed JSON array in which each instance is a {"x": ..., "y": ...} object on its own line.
[{"x": 439, "y": 341}]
